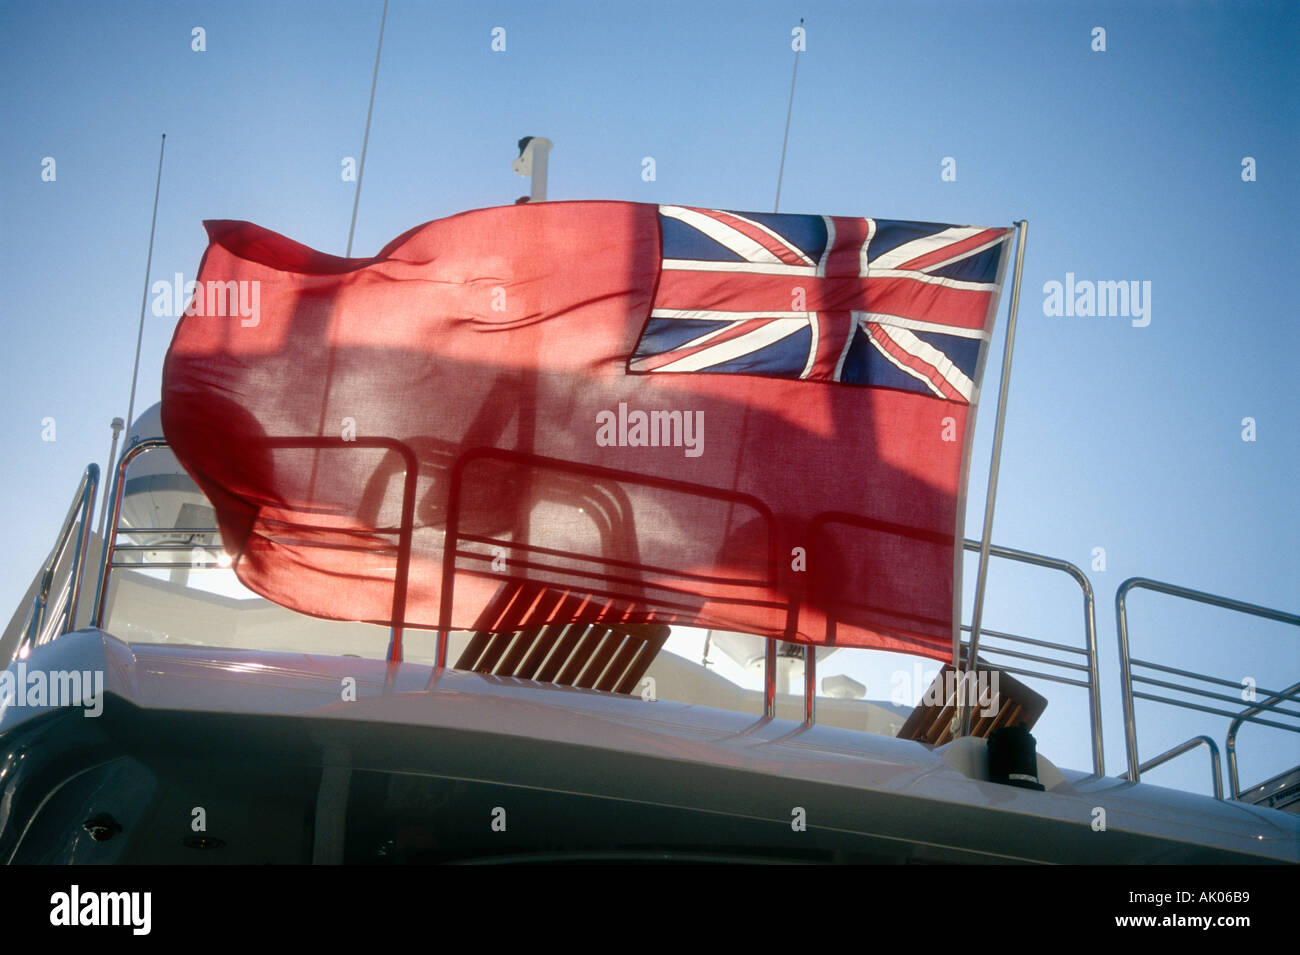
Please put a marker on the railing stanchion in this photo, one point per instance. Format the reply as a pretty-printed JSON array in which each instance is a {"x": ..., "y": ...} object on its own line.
[
  {"x": 83, "y": 504},
  {"x": 1231, "y": 742},
  {"x": 1089, "y": 650},
  {"x": 1126, "y": 684},
  {"x": 809, "y": 684},
  {"x": 89, "y": 487},
  {"x": 1127, "y": 663},
  {"x": 115, "y": 514},
  {"x": 769, "y": 679},
  {"x": 1216, "y": 768}
]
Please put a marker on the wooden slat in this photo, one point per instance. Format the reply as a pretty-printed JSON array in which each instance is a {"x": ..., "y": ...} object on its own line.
[
  {"x": 523, "y": 642},
  {"x": 577, "y": 662},
  {"x": 580, "y": 641},
  {"x": 497, "y": 644},
  {"x": 541, "y": 610},
  {"x": 640, "y": 637},
  {"x": 564, "y": 647},
  {"x": 547, "y": 613},
  {"x": 511, "y": 601},
  {"x": 591, "y": 674},
  {"x": 613, "y": 675},
  {"x": 640, "y": 663},
  {"x": 550, "y": 635}
]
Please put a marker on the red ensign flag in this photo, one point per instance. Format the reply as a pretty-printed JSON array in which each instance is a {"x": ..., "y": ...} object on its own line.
[{"x": 750, "y": 422}]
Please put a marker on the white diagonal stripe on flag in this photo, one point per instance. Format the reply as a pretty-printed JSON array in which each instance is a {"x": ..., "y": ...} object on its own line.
[
  {"x": 776, "y": 237},
  {"x": 915, "y": 324},
  {"x": 760, "y": 338},
  {"x": 923, "y": 245},
  {"x": 923, "y": 350},
  {"x": 726, "y": 236},
  {"x": 830, "y": 244},
  {"x": 761, "y": 268},
  {"x": 922, "y": 277},
  {"x": 709, "y": 335},
  {"x": 965, "y": 253},
  {"x": 815, "y": 330},
  {"x": 923, "y": 379}
]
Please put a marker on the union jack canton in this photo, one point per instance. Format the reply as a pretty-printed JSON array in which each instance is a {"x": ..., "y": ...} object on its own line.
[{"x": 873, "y": 302}]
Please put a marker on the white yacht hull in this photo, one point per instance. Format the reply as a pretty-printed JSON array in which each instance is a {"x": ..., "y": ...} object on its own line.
[{"x": 230, "y": 756}]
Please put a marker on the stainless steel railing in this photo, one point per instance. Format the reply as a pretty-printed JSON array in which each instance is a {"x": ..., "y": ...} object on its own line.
[
  {"x": 1231, "y": 746},
  {"x": 1026, "y": 661},
  {"x": 78, "y": 519},
  {"x": 114, "y": 518},
  {"x": 112, "y": 548},
  {"x": 1088, "y": 667},
  {"x": 1216, "y": 771},
  {"x": 1128, "y": 664}
]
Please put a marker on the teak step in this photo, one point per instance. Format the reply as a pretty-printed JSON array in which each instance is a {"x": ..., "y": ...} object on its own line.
[
  {"x": 527, "y": 632},
  {"x": 1012, "y": 703}
]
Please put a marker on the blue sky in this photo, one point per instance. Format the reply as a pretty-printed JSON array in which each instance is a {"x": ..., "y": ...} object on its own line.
[{"x": 1126, "y": 163}]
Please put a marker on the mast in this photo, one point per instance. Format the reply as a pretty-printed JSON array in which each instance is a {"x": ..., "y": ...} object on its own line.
[{"x": 532, "y": 161}]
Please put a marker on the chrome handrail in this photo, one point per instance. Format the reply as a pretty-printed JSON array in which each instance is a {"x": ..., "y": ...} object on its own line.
[
  {"x": 83, "y": 504},
  {"x": 136, "y": 449},
  {"x": 1088, "y": 651},
  {"x": 1216, "y": 769},
  {"x": 1127, "y": 663},
  {"x": 140, "y": 446},
  {"x": 1242, "y": 717}
]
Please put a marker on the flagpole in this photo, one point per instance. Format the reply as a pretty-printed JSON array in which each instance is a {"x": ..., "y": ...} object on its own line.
[
  {"x": 963, "y": 709},
  {"x": 365, "y": 139},
  {"x": 785, "y": 141},
  {"x": 144, "y": 298},
  {"x": 769, "y": 657}
]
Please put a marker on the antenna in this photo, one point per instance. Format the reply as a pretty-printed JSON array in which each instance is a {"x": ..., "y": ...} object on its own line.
[
  {"x": 144, "y": 298},
  {"x": 785, "y": 141},
  {"x": 365, "y": 139},
  {"x": 352, "y": 225}
]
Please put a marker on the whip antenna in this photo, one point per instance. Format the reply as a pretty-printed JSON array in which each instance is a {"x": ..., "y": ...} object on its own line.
[
  {"x": 144, "y": 298},
  {"x": 365, "y": 139},
  {"x": 785, "y": 141}
]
